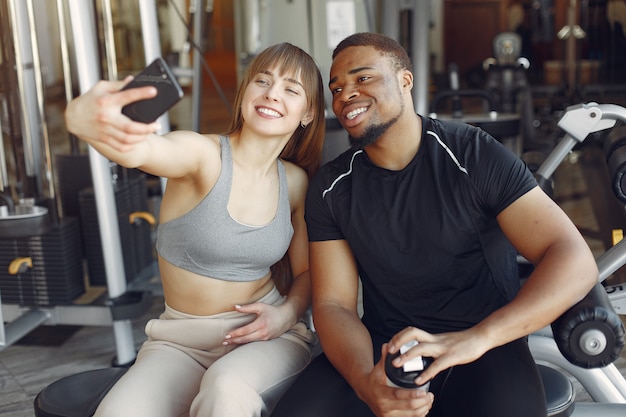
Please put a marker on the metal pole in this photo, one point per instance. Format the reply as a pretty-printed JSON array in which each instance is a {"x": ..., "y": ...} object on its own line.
[
  {"x": 82, "y": 18},
  {"x": 391, "y": 19},
  {"x": 370, "y": 14},
  {"x": 25, "y": 84},
  {"x": 109, "y": 40},
  {"x": 44, "y": 143},
  {"x": 570, "y": 54},
  {"x": 196, "y": 93},
  {"x": 420, "y": 46},
  {"x": 65, "y": 55},
  {"x": 4, "y": 175},
  {"x": 152, "y": 44},
  {"x": 65, "y": 61},
  {"x": 152, "y": 50},
  {"x": 421, "y": 55}
]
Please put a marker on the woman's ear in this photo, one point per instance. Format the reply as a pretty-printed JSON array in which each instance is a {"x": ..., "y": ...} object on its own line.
[{"x": 308, "y": 118}]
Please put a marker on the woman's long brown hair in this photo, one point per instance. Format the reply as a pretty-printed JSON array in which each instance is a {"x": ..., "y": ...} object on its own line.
[{"x": 305, "y": 145}]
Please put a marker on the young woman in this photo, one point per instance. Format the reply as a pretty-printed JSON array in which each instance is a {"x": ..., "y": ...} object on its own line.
[{"x": 232, "y": 243}]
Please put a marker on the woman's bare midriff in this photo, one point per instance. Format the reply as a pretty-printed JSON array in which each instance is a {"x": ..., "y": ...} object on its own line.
[{"x": 202, "y": 296}]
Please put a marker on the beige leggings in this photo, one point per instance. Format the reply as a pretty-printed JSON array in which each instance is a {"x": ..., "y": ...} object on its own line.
[{"x": 184, "y": 370}]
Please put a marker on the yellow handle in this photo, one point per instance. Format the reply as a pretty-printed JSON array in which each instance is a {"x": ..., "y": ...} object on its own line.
[
  {"x": 142, "y": 215},
  {"x": 16, "y": 265}
]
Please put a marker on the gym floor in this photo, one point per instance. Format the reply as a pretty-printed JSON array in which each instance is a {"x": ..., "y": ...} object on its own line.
[{"x": 52, "y": 352}]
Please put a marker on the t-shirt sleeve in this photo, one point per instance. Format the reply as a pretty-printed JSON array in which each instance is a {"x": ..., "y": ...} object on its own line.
[{"x": 500, "y": 176}]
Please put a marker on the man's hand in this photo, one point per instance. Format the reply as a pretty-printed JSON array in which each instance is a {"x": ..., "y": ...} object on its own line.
[
  {"x": 386, "y": 401},
  {"x": 447, "y": 349}
]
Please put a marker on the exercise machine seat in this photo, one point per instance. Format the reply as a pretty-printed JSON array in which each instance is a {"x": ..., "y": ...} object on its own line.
[
  {"x": 79, "y": 395},
  {"x": 76, "y": 395},
  {"x": 560, "y": 394}
]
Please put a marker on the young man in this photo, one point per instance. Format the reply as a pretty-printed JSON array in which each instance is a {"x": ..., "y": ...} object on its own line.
[{"x": 430, "y": 215}]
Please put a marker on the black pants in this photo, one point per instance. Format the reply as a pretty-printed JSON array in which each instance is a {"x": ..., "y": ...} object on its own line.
[{"x": 502, "y": 383}]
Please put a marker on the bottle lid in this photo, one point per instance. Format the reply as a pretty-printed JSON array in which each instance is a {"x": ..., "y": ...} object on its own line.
[{"x": 403, "y": 376}]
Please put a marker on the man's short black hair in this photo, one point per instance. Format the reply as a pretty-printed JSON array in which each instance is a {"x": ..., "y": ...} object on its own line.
[{"x": 380, "y": 42}]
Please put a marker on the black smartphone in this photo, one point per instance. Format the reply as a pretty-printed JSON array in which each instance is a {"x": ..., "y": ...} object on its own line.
[{"x": 159, "y": 75}]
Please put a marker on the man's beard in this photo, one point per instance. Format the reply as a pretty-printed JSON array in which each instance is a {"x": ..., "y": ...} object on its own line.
[{"x": 371, "y": 134}]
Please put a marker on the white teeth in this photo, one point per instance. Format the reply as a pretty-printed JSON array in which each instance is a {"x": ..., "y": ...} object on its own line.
[
  {"x": 355, "y": 113},
  {"x": 269, "y": 112}
]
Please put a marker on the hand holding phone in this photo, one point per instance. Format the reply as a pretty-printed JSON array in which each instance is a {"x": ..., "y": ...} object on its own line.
[{"x": 169, "y": 92}]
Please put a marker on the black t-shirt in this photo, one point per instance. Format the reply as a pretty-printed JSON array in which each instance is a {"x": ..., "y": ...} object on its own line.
[{"x": 430, "y": 253}]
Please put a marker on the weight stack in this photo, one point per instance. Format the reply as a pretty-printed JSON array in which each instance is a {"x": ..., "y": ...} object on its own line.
[
  {"x": 56, "y": 276},
  {"x": 131, "y": 196}
]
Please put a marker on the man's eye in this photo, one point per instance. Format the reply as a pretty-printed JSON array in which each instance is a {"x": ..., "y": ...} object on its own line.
[
  {"x": 364, "y": 78},
  {"x": 335, "y": 90}
]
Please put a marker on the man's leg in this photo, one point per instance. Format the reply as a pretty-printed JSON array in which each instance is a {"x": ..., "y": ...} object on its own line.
[
  {"x": 503, "y": 382},
  {"x": 320, "y": 391}
]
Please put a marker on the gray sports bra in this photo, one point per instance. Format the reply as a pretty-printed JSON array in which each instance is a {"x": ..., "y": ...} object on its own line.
[{"x": 209, "y": 242}]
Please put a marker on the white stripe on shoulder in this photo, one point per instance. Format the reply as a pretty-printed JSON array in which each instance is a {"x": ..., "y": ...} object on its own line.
[
  {"x": 345, "y": 174},
  {"x": 448, "y": 150}
]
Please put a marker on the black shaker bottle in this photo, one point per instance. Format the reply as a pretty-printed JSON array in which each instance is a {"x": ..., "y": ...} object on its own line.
[{"x": 404, "y": 376}]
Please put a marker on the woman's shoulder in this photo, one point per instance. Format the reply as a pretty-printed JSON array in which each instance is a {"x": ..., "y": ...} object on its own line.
[
  {"x": 297, "y": 181},
  {"x": 201, "y": 166},
  {"x": 294, "y": 171}
]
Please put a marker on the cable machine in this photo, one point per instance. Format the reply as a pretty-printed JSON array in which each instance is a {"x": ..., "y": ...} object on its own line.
[{"x": 120, "y": 304}]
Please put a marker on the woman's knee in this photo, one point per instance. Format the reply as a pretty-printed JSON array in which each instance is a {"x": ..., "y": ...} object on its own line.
[
  {"x": 115, "y": 406},
  {"x": 228, "y": 394}
]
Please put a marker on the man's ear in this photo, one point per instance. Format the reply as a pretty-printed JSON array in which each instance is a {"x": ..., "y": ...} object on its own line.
[{"x": 407, "y": 80}]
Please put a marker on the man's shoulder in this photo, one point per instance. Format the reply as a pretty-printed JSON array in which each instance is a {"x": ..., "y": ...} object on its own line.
[
  {"x": 341, "y": 165},
  {"x": 334, "y": 176},
  {"x": 450, "y": 129},
  {"x": 458, "y": 137}
]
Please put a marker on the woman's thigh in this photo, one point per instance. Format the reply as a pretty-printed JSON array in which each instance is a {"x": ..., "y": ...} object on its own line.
[
  {"x": 162, "y": 382},
  {"x": 264, "y": 368}
]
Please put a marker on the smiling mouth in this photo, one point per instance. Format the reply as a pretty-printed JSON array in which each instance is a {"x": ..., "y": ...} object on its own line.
[
  {"x": 268, "y": 112},
  {"x": 354, "y": 113}
]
